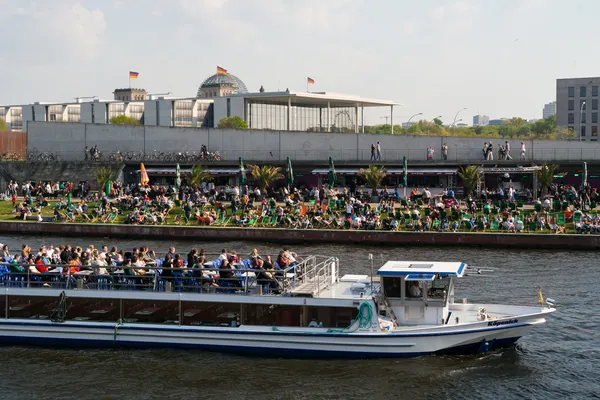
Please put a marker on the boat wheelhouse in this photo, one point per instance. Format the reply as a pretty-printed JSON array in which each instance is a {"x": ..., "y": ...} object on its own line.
[{"x": 305, "y": 310}]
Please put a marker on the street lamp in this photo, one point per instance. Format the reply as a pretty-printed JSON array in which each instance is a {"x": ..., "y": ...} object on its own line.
[
  {"x": 433, "y": 119},
  {"x": 580, "y": 118},
  {"x": 407, "y": 122},
  {"x": 456, "y": 116}
]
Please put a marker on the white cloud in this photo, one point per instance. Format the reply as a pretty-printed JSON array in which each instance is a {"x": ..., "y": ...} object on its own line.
[
  {"x": 56, "y": 33},
  {"x": 202, "y": 7},
  {"x": 458, "y": 16}
]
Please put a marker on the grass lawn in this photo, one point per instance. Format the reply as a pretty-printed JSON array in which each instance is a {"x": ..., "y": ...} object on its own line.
[{"x": 48, "y": 211}]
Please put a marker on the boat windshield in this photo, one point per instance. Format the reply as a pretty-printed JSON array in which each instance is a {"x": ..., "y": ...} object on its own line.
[{"x": 438, "y": 288}]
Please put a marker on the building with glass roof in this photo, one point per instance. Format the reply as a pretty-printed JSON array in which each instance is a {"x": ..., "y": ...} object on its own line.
[
  {"x": 219, "y": 96},
  {"x": 220, "y": 85}
]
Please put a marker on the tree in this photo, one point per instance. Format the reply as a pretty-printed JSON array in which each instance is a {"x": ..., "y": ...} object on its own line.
[
  {"x": 438, "y": 122},
  {"x": 3, "y": 126},
  {"x": 264, "y": 175},
  {"x": 470, "y": 177},
  {"x": 103, "y": 174},
  {"x": 199, "y": 175},
  {"x": 546, "y": 176},
  {"x": 234, "y": 122},
  {"x": 374, "y": 175},
  {"x": 124, "y": 120}
]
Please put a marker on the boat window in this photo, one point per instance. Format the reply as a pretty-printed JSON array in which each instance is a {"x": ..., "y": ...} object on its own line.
[
  {"x": 101, "y": 310},
  {"x": 330, "y": 317},
  {"x": 37, "y": 307},
  {"x": 150, "y": 311},
  {"x": 414, "y": 289},
  {"x": 272, "y": 315},
  {"x": 439, "y": 288},
  {"x": 391, "y": 286},
  {"x": 210, "y": 314}
]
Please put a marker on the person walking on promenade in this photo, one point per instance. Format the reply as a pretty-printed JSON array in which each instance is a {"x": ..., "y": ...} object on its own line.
[
  {"x": 523, "y": 150},
  {"x": 372, "y": 151},
  {"x": 378, "y": 151},
  {"x": 445, "y": 152},
  {"x": 490, "y": 152},
  {"x": 507, "y": 150},
  {"x": 86, "y": 153},
  {"x": 485, "y": 147}
]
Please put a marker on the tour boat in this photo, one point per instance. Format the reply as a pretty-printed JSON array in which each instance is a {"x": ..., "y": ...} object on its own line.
[{"x": 407, "y": 309}]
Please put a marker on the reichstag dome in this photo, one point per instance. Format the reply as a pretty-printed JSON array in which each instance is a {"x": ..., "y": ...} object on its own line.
[{"x": 221, "y": 85}]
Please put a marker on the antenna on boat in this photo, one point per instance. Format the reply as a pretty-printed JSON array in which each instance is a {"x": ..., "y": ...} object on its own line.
[{"x": 371, "y": 259}]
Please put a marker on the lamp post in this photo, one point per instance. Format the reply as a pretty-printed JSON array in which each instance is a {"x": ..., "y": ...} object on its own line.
[
  {"x": 432, "y": 122},
  {"x": 455, "y": 122},
  {"x": 580, "y": 118},
  {"x": 433, "y": 119},
  {"x": 456, "y": 116},
  {"x": 412, "y": 116}
]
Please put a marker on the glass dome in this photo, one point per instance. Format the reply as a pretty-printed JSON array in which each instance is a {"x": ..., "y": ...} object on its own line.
[{"x": 218, "y": 79}]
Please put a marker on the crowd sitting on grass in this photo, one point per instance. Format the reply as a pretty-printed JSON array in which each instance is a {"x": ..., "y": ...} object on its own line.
[
  {"x": 323, "y": 207},
  {"x": 143, "y": 264}
]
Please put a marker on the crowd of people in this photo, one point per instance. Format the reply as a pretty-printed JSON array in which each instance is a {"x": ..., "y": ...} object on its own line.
[
  {"x": 144, "y": 265},
  {"x": 305, "y": 208}
]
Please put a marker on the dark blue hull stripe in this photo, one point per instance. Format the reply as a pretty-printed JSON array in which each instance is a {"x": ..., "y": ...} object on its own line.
[
  {"x": 237, "y": 331},
  {"x": 257, "y": 351}
]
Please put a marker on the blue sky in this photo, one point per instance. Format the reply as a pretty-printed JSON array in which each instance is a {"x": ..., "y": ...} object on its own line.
[{"x": 499, "y": 57}]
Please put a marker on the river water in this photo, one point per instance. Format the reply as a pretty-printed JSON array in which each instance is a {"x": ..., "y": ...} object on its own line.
[{"x": 558, "y": 360}]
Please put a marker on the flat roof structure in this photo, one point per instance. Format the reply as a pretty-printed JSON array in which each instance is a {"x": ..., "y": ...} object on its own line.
[
  {"x": 300, "y": 111},
  {"x": 317, "y": 98},
  {"x": 425, "y": 269}
]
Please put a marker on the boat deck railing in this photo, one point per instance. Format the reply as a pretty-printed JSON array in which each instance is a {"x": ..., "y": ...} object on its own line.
[
  {"x": 318, "y": 273},
  {"x": 243, "y": 279}
]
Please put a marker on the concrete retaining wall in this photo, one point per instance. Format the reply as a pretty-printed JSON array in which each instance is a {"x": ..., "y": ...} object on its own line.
[
  {"x": 503, "y": 240},
  {"x": 53, "y": 171},
  {"x": 70, "y": 139}
]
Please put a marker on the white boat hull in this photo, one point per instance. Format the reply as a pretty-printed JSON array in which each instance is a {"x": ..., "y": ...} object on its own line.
[{"x": 267, "y": 341}]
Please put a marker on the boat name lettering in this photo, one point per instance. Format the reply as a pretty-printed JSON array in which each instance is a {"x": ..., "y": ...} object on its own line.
[{"x": 507, "y": 322}]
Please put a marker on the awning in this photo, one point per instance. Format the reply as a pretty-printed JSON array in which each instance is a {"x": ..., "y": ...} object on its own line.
[
  {"x": 392, "y": 171},
  {"x": 510, "y": 170},
  {"x": 211, "y": 171}
]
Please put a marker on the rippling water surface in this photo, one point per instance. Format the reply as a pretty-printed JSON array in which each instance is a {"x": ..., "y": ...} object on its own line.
[{"x": 561, "y": 359}]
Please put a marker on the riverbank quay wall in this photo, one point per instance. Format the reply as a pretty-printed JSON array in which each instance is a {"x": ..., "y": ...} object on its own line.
[
  {"x": 308, "y": 236},
  {"x": 70, "y": 139}
]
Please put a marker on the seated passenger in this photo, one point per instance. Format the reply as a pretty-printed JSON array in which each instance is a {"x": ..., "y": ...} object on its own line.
[
  {"x": 414, "y": 290},
  {"x": 227, "y": 275}
]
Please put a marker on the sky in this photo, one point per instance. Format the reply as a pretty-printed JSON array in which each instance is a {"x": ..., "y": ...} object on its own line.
[{"x": 495, "y": 57}]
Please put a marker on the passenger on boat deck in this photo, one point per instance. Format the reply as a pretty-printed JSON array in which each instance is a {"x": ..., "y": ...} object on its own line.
[
  {"x": 264, "y": 274},
  {"x": 192, "y": 258},
  {"x": 99, "y": 264},
  {"x": 167, "y": 266},
  {"x": 138, "y": 265},
  {"x": 233, "y": 257},
  {"x": 314, "y": 324},
  {"x": 171, "y": 251},
  {"x": 223, "y": 255},
  {"x": 414, "y": 290},
  {"x": 226, "y": 274}
]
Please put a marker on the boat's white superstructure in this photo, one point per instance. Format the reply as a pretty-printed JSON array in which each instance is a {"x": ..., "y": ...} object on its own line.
[{"x": 407, "y": 310}]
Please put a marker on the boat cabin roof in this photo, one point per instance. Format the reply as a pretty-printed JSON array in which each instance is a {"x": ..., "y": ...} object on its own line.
[{"x": 422, "y": 270}]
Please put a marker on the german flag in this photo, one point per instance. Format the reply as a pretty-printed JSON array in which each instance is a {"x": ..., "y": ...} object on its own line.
[
  {"x": 133, "y": 75},
  {"x": 310, "y": 81},
  {"x": 221, "y": 71}
]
